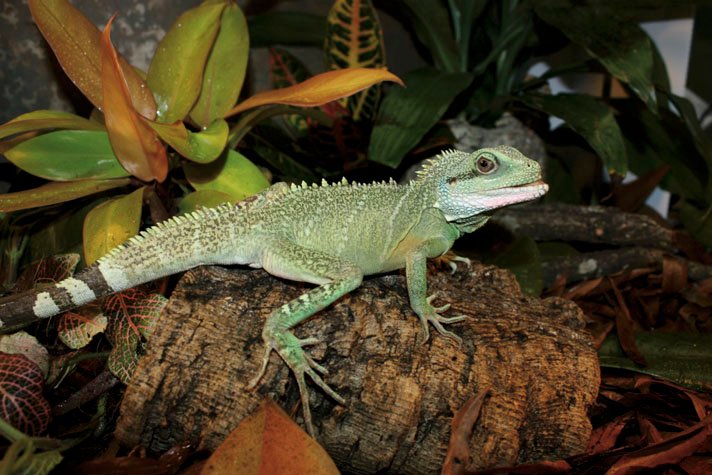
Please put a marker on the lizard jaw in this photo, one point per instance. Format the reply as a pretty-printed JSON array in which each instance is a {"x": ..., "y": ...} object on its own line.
[{"x": 500, "y": 197}]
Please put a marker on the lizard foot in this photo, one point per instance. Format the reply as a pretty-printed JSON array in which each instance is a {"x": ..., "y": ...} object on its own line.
[
  {"x": 290, "y": 349},
  {"x": 451, "y": 259},
  {"x": 432, "y": 315}
]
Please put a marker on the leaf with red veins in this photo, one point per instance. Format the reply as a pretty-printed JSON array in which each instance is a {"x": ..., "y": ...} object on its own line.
[
  {"x": 21, "y": 401},
  {"x": 48, "y": 270},
  {"x": 132, "y": 316}
]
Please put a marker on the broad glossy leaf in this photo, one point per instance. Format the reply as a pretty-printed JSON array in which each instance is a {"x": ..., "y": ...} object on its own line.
[
  {"x": 67, "y": 155},
  {"x": 203, "y": 199},
  {"x": 46, "y": 119},
  {"x": 201, "y": 147},
  {"x": 53, "y": 193},
  {"x": 110, "y": 224},
  {"x": 21, "y": 400},
  {"x": 132, "y": 317},
  {"x": 266, "y": 442},
  {"x": 134, "y": 142},
  {"x": 75, "y": 41},
  {"x": 232, "y": 174},
  {"x": 697, "y": 221},
  {"x": 407, "y": 114},
  {"x": 225, "y": 69},
  {"x": 354, "y": 39},
  {"x": 621, "y": 46},
  {"x": 523, "y": 259},
  {"x": 176, "y": 71},
  {"x": 432, "y": 24},
  {"x": 286, "y": 28},
  {"x": 678, "y": 357},
  {"x": 591, "y": 119},
  {"x": 320, "y": 89}
]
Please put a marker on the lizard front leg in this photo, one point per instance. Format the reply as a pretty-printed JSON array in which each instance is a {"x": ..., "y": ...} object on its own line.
[
  {"x": 335, "y": 278},
  {"x": 416, "y": 276}
]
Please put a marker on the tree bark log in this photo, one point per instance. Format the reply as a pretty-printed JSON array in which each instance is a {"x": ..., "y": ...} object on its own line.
[{"x": 534, "y": 355}]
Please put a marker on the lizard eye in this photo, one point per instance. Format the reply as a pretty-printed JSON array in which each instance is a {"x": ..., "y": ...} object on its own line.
[{"x": 486, "y": 165}]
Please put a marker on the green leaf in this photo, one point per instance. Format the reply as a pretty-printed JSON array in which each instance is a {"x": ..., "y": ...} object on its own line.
[
  {"x": 203, "y": 199},
  {"x": 75, "y": 41},
  {"x": 700, "y": 138},
  {"x": 354, "y": 40},
  {"x": 697, "y": 221},
  {"x": 232, "y": 174},
  {"x": 523, "y": 259},
  {"x": 286, "y": 28},
  {"x": 53, "y": 193},
  {"x": 680, "y": 357},
  {"x": 132, "y": 317},
  {"x": 176, "y": 71},
  {"x": 201, "y": 147},
  {"x": 67, "y": 155},
  {"x": 225, "y": 69},
  {"x": 621, "y": 46},
  {"x": 431, "y": 23},
  {"x": 288, "y": 167},
  {"x": 464, "y": 14},
  {"x": 591, "y": 119},
  {"x": 46, "y": 119},
  {"x": 407, "y": 114},
  {"x": 110, "y": 224}
]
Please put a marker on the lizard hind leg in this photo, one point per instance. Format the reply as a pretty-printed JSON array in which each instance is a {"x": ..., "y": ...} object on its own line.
[{"x": 335, "y": 278}]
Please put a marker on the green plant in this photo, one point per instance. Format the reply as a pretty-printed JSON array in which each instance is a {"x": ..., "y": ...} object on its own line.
[
  {"x": 184, "y": 102},
  {"x": 480, "y": 53}
]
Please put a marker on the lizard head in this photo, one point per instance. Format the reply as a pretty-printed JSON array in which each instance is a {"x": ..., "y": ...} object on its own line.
[{"x": 472, "y": 185}]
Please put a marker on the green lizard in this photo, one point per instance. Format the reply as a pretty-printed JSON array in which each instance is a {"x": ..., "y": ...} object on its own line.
[{"x": 330, "y": 235}]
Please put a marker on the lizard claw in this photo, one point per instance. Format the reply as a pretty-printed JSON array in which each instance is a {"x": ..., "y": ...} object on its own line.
[
  {"x": 289, "y": 347},
  {"x": 431, "y": 315}
]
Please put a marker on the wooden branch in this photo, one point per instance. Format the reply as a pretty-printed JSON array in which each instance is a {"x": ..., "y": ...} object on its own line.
[
  {"x": 590, "y": 265},
  {"x": 533, "y": 354},
  {"x": 592, "y": 224}
]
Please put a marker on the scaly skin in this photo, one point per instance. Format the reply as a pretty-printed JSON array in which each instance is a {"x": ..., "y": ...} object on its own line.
[{"x": 328, "y": 235}]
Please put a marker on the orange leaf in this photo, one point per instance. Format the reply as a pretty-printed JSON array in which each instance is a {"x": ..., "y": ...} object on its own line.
[
  {"x": 134, "y": 142},
  {"x": 269, "y": 442},
  {"x": 320, "y": 89},
  {"x": 75, "y": 41}
]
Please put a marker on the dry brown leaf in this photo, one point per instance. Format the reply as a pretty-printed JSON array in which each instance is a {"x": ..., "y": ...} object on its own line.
[
  {"x": 625, "y": 327},
  {"x": 669, "y": 451},
  {"x": 604, "y": 438},
  {"x": 269, "y": 442},
  {"x": 674, "y": 274},
  {"x": 458, "y": 452}
]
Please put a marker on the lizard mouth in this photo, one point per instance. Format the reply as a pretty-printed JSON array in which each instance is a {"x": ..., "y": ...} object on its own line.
[{"x": 497, "y": 198}]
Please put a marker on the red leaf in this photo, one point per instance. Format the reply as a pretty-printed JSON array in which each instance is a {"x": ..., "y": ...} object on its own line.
[
  {"x": 21, "y": 401},
  {"x": 624, "y": 328},
  {"x": 135, "y": 143},
  {"x": 458, "y": 453},
  {"x": 604, "y": 438},
  {"x": 669, "y": 451}
]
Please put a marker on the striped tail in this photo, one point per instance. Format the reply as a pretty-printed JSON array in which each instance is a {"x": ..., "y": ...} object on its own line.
[
  {"x": 17, "y": 311},
  {"x": 178, "y": 244}
]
